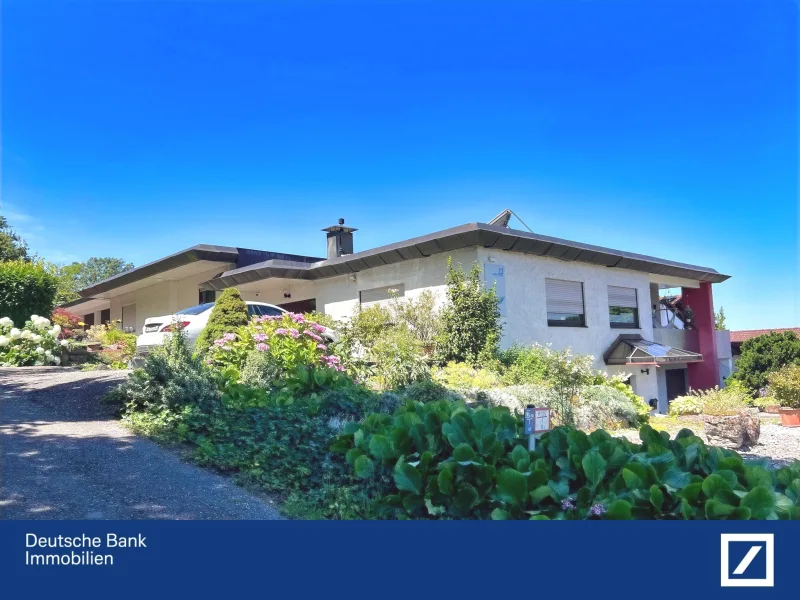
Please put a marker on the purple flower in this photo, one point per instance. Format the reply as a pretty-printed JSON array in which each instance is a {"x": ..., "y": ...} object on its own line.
[
  {"x": 597, "y": 509},
  {"x": 219, "y": 342},
  {"x": 229, "y": 337},
  {"x": 294, "y": 333},
  {"x": 567, "y": 504},
  {"x": 317, "y": 328},
  {"x": 281, "y": 331},
  {"x": 262, "y": 347},
  {"x": 259, "y": 337},
  {"x": 297, "y": 318},
  {"x": 322, "y": 347},
  {"x": 312, "y": 335}
]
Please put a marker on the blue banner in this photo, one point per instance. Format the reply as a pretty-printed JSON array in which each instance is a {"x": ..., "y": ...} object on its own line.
[{"x": 458, "y": 559}]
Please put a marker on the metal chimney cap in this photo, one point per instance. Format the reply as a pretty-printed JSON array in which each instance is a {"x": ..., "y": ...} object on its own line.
[{"x": 340, "y": 228}]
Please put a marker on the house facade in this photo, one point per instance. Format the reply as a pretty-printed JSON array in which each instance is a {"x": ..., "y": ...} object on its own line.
[{"x": 594, "y": 300}]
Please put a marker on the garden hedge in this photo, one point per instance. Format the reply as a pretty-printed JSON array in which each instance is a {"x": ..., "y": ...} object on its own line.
[{"x": 26, "y": 288}]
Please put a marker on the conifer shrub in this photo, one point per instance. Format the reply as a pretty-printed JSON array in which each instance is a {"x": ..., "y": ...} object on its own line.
[{"x": 229, "y": 313}]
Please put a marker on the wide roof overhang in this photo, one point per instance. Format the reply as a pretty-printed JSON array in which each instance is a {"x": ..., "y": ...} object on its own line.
[
  {"x": 633, "y": 349},
  {"x": 467, "y": 236}
]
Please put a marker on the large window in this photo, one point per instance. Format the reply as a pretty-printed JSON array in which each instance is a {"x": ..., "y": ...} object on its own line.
[
  {"x": 565, "y": 303},
  {"x": 623, "y": 308}
]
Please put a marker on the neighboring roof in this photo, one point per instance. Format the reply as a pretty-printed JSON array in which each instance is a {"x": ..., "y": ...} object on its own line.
[
  {"x": 207, "y": 252},
  {"x": 746, "y": 334},
  {"x": 632, "y": 349},
  {"x": 465, "y": 236}
]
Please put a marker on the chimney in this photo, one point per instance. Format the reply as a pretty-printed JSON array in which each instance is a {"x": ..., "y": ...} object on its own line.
[{"x": 340, "y": 239}]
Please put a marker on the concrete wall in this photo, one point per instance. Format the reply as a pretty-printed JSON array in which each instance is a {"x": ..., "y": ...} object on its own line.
[
  {"x": 724, "y": 355},
  {"x": 526, "y": 320},
  {"x": 338, "y": 296}
]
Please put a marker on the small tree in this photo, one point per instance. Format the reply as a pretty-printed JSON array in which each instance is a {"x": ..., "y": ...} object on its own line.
[
  {"x": 719, "y": 319},
  {"x": 471, "y": 319},
  {"x": 228, "y": 314},
  {"x": 26, "y": 288},
  {"x": 12, "y": 246},
  {"x": 764, "y": 354}
]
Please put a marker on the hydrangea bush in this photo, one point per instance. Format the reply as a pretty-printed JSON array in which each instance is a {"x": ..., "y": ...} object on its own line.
[
  {"x": 291, "y": 340},
  {"x": 36, "y": 343}
]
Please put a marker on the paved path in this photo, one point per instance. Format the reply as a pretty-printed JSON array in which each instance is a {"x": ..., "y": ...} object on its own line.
[{"x": 63, "y": 455}]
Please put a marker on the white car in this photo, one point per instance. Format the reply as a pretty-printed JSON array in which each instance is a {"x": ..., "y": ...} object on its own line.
[{"x": 193, "y": 320}]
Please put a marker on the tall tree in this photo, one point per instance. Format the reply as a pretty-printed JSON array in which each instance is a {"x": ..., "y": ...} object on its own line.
[
  {"x": 719, "y": 319},
  {"x": 12, "y": 246},
  {"x": 79, "y": 275}
]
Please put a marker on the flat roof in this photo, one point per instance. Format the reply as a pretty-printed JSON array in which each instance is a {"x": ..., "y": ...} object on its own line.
[
  {"x": 200, "y": 252},
  {"x": 466, "y": 236}
]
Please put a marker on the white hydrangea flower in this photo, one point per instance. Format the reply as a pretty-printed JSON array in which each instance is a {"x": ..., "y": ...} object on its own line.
[
  {"x": 48, "y": 354},
  {"x": 26, "y": 334},
  {"x": 4, "y": 341},
  {"x": 41, "y": 323},
  {"x": 56, "y": 360},
  {"x": 36, "y": 338},
  {"x": 34, "y": 317},
  {"x": 55, "y": 330},
  {"x": 14, "y": 334},
  {"x": 39, "y": 350},
  {"x": 6, "y": 322},
  {"x": 64, "y": 343}
]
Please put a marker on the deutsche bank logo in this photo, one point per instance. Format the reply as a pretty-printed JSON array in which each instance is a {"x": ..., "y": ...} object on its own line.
[{"x": 748, "y": 560}]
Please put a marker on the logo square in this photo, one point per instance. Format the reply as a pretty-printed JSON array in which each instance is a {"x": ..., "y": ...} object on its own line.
[{"x": 747, "y": 560}]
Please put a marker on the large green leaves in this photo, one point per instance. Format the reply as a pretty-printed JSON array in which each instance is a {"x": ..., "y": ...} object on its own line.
[
  {"x": 512, "y": 486},
  {"x": 407, "y": 478},
  {"x": 594, "y": 467},
  {"x": 760, "y": 501}
]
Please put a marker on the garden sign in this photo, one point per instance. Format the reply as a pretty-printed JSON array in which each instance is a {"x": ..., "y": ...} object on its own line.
[{"x": 537, "y": 420}]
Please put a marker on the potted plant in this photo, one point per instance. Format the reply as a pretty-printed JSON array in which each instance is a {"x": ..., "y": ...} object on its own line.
[
  {"x": 785, "y": 386},
  {"x": 688, "y": 317}
]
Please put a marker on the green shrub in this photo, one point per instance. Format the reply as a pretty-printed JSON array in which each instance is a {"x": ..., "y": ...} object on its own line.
[
  {"x": 26, "y": 288},
  {"x": 717, "y": 402},
  {"x": 426, "y": 390},
  {"x": 470, "y": 319},
  {"x": 691, "y": 404},
  {"x": 420, "y": 316},
  {"x": 764, "y": 354},
  {"x": 463, "y": 376},
  {"x": 524, "y": 364},
  {"x": 260, "y": 369},
  {"x": 399, "y": 359},
  {"x": 603, "y": 406},
  {"x": 441, "y": 460},
  {"x": 785, "y": 386},
  {"x": 171, "y": 379},
  {"x": 228, "y": 314}
]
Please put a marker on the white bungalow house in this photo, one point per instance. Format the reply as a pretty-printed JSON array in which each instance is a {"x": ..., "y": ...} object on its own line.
[{"x": 593, "y": 299}]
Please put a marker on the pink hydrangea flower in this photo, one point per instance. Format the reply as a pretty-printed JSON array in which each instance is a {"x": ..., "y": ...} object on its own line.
[
  {"x": 281, "y": 331},
  {"x": 297, "y": 318},
  {"x": 262, "y": 347},
  {"x": 219, "y": 342},
  {"x": 259, "y": 337},
  {"x": 322, "y": 347},
  {"x": 294, "y": 333},
  {"x": 318, "y": 328},
  {"x": 229, "y": 337},
  {"x": 312, "y": 335}
]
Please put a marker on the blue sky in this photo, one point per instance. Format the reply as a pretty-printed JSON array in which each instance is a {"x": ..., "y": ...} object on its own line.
[{"x": 136, "y": 129}]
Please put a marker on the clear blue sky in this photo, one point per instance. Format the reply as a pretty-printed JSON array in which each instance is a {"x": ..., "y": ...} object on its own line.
[{"x": 136, "y": 129}]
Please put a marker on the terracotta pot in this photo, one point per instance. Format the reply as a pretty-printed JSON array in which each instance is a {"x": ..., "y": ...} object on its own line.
[{"x": 790, "y": 417}]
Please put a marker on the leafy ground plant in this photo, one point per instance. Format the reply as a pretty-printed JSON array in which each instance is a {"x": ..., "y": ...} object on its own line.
[{"x": 443, "y": 460}]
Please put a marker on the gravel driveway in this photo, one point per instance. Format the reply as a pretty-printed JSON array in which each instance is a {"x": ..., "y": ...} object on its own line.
[{"x": 63, "y": 455}]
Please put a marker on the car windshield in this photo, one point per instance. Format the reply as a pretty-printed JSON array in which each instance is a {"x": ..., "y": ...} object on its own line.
[{"x": 196, "y": 310}]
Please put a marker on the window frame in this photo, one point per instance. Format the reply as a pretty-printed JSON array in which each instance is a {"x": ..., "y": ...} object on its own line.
[
  {"x": 616, "y": 325},
  {"x": 565, "y": 323}
]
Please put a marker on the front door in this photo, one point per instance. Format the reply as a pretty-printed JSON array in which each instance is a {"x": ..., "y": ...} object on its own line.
[{"x": 676, "y": 383}]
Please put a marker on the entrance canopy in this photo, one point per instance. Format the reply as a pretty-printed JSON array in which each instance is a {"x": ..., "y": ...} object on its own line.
[{"x": 633, "y": 349}]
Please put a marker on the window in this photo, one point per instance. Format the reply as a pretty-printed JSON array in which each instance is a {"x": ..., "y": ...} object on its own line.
[
  {"x": 262, "y": 310},
  {"x": 196, "y": 310},
  {"x": 623, "y": 308},
  {"x": 382, "y": 293},
  {"x": 564, "y": 303},
  {"x": 105, "y": 316},
  {"x": 207, "y": 296}
]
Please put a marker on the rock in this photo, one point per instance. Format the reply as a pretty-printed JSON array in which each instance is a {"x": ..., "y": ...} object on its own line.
[{"x": 735, "y": 431}]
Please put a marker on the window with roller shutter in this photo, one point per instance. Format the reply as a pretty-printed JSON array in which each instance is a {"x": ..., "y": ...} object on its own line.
[
  {"x": 623, "y": 307},
  {"x": 565, "y": 303},
  {"x": 381, "y": 294}
]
